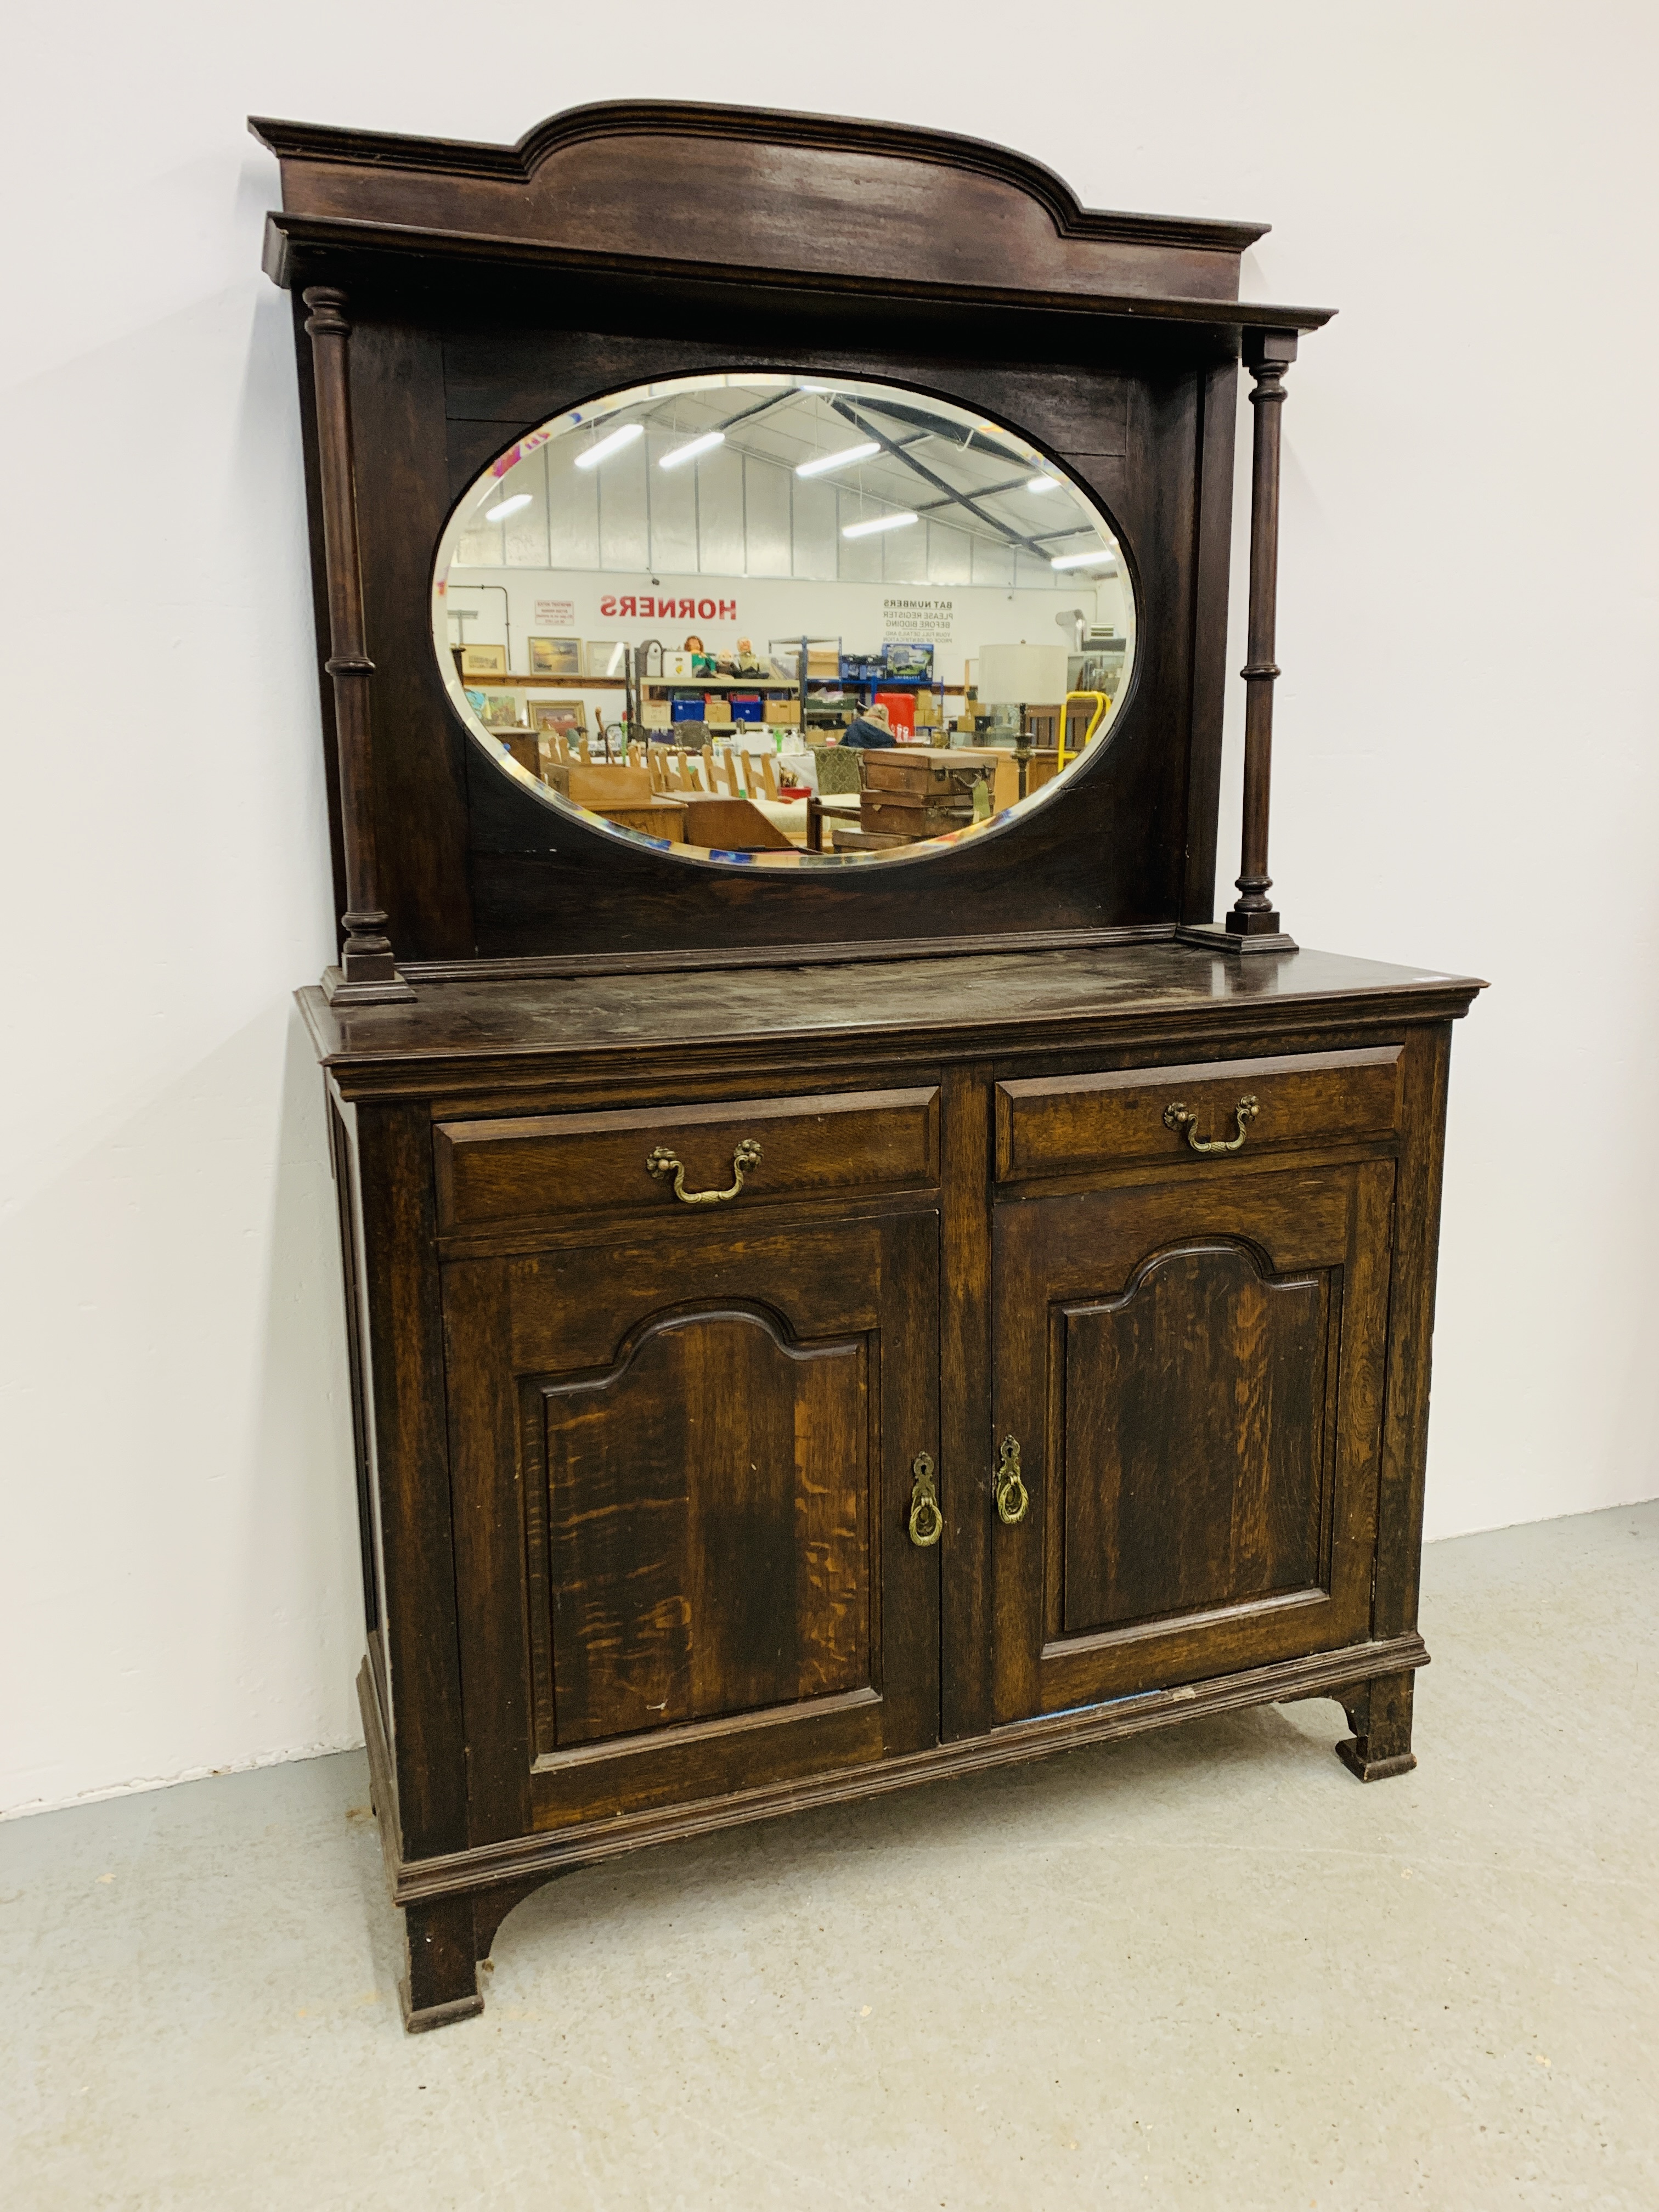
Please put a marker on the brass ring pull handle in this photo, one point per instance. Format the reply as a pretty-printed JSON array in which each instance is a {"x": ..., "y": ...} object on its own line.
[
  {"x": 1013, "y": 1499},
  {"x": 927, "y": 1522},
  {"x": 660, "y": 1161},
  {"x": 1177, "y": 1117}
]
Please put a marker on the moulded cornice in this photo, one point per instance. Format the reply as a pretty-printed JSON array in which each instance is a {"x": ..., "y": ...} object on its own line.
[
  {"x": 453, "y": 157},
  {"x": 310, "y": 237}
]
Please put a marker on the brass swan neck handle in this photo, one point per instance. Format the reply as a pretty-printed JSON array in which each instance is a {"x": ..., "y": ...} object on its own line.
[
  {"x": 1177, "y": 1117},
  {"x": 926, "y": 1522},
  {"x": 1013, "y": 1498},
  {"x": 661, "y": 1163}
]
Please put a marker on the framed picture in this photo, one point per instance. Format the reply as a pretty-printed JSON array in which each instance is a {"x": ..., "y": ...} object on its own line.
[
  {"x": 501, "y": 711},
  {"x": 558, "y": 715},
  {"x": 554, "y": 656},
  {"x": 604, "y": 656},
  {"x": 484, "y": 661}
]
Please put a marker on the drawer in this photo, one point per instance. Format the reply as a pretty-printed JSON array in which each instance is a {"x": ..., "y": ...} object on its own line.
[
  {"x": 1056, "y": 1125},
  {"x": 563, "y": 1164}
]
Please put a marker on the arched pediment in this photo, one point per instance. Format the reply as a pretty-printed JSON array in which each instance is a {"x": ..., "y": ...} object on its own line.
[{"x": 768, "y": 189}]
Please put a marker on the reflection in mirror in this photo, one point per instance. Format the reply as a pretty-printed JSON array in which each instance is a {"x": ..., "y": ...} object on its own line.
[{"x": 783, "y": 621}]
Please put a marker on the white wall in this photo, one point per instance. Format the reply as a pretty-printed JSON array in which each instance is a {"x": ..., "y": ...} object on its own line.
[
  {"x": 1466, "y": 763},
  {"x": 773, "y": 609}
]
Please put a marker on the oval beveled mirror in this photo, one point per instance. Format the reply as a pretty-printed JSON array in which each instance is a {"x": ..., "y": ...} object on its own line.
[{"x": 783, "y": 621}]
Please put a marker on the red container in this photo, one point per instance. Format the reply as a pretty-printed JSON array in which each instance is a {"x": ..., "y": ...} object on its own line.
[{"x": 901, "y": 710}]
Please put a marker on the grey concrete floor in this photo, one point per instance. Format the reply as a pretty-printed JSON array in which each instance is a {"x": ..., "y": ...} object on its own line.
[{"x": 1204, "y": 1968}]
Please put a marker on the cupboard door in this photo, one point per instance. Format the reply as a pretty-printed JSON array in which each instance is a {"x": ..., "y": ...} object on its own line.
[
  {"x": 682, "y": 1474},
  {"x": 1193, "y": 1370}
]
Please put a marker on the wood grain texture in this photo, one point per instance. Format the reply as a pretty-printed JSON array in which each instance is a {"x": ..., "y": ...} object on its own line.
[
  {"x": 635, "y": 1475},
  {"x": 441, "y": 1978},
  {"x": 526, "y": 1859},
  {"x": 1192, "y": 1456},
  {"x": 420, "y": 778},
  {"x": 708, "y": 1529},
  {"x": 1411, "y": 1330},
  {"x": 682, "y": 1472},
  {"x": 1060, "y": 1125},
  {"x": 366, "y": 957},
  {"x": 1379, "y": 1712},
  {"x": 1013, "y": 300},
  {"x": 1183, "y": 1004},
  {"x": 405, "y": 1388},
  {"x": 1213, "y": 523},
  {"x": 856, "y": 1143},
  {"x": 1267, "y": 354},
  {"x": 567, "y": 1309},
  {"x": 1179, "y": 1501},
  {"x": 966, "y": 1455},
  {"x": 735, "y": 825},
  {"x": 342, "y": 1162},
  {"x": 698, "y": 183}
]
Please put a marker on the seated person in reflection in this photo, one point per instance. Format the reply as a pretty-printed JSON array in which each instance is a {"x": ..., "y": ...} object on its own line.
[{"x": 870, "y": 728}]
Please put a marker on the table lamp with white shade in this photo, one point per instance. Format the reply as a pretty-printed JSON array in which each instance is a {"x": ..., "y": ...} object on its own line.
[{"x": 1014, "y": 675}]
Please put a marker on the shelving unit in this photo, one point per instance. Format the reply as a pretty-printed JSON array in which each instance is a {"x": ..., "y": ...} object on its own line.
[
  {"x": 861, "y": 687},
  {"x": 717, "y": 683},
  {"x": 858, "y": 688},
  {"x": 544, "y": 683}
]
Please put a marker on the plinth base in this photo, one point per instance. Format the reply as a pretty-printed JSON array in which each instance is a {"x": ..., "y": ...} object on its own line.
[
  {"x": 1215, "y": 938},
  {"x": 389, "y": 991}
]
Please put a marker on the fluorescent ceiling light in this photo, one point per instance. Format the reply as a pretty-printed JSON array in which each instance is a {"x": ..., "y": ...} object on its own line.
[
  {"x": 508, "y": 507},
  {"x": 613, "y": 444},
  {"x": 900, "y": 521},
  {"x": 1043, "y": 484},
  {"x": 1100, "y": 553},
  {"x": 837, "y": 460},
  {"x": 692, "y": 448}
]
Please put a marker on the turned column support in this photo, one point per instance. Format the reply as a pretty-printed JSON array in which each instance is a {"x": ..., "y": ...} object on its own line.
[
  {"x": 368, "y": 972},
  {"x": 1253, "y": 926}
]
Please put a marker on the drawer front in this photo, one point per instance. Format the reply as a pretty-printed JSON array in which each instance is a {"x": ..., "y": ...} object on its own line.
[
  {"x": 1060, "y": 1125},
  {"x": 559, "y": 1165}
]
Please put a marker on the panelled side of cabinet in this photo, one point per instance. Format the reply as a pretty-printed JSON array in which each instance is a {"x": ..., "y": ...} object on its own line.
[
  {"x": 408, "y": 1398},
  {"x": 1411, "y": 1331},
  {"x": 344, "y": 1163}
]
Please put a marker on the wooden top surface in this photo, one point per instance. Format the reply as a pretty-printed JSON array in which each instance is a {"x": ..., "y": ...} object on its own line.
[{"x": 706, "y": 1020}]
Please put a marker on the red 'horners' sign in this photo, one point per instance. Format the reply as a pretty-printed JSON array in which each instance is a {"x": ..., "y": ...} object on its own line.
[{"x": 654, "y": 610}]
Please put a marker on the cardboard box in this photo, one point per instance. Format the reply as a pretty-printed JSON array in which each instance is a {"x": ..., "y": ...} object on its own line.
[{"x": 786, "y": 711}]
